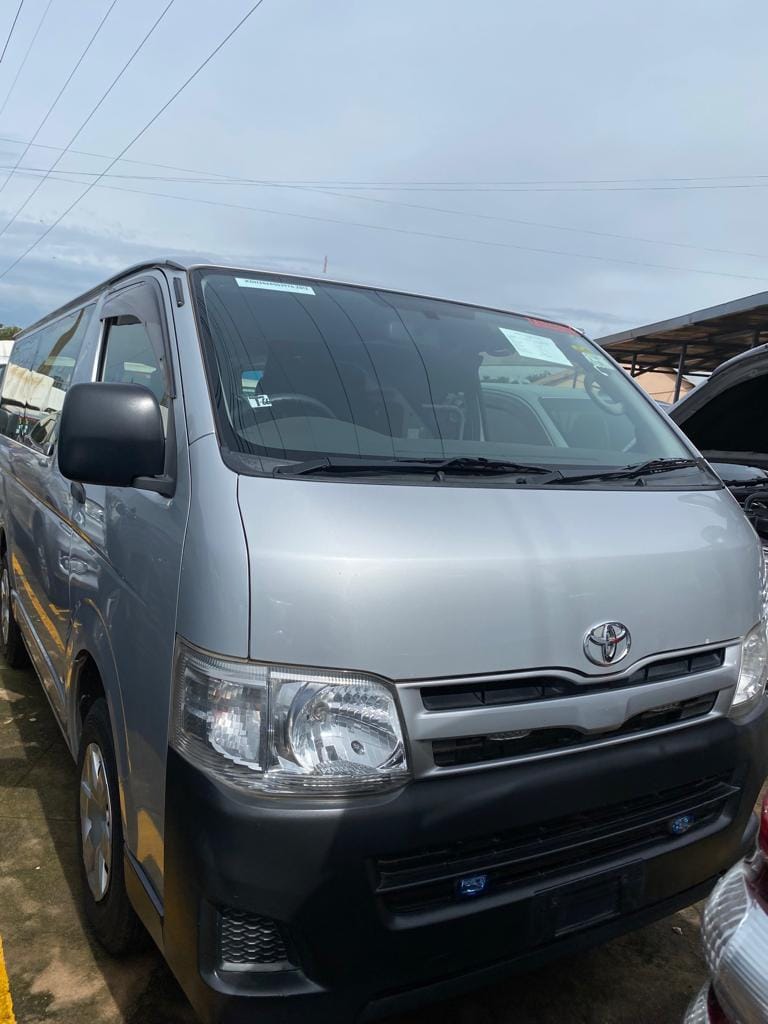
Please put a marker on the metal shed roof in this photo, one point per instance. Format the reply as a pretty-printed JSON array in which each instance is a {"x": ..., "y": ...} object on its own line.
[{"x": 696, "y": 342}]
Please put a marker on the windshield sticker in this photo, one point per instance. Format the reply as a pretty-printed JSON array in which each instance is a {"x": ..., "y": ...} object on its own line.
[
  {"x": 260, "y": 401},
  {"x": 592, "y": 354},
  {"x": 275, "y": 286},
  {"x": 533, "y": 346}
]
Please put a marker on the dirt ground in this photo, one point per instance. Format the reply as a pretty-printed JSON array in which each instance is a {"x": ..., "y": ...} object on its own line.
[{"x": 58, "y": 974}]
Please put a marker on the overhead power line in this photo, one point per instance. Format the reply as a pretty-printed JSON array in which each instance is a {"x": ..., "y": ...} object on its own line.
[
  {"x": 411, "y": 232},
  {"x": 558, "y": 188},
  {"x": 222, "y": 179},
  {"x": 136, "y": 137},
  {"x": 211, "y": 177},
  {"x": 353, "y": 183},
  {"x": 52, "y": 107},
  {"x": 102, "y": 98},
  {"x": 13, "y": 26},
  {"x": 541, "y": 224},
  {"x": 24, "y": 59},
  {"x": 722, "y": 181}
]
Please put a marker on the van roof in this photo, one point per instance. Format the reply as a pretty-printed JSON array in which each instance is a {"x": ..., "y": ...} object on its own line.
[{"x": 196, "y": 263}]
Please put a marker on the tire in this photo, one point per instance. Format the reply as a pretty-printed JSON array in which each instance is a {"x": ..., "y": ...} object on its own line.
[
  {"x": 110, "y": 914},
  {"x": 11, "y": 640}
]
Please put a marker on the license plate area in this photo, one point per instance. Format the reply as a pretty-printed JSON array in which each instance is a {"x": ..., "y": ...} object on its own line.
[{"x": 574, "y": 906}]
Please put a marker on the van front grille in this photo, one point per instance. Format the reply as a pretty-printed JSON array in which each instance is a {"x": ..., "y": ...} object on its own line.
[
  {"x": 464, "y": 750},
  {"x": 430, "y": 877},
  {"x": 531, "y": 688}
]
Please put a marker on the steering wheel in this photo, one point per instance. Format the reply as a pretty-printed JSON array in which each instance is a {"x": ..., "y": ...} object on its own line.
[
  {"x": 601, "y": 396},
  {"x": 315, "y": 406}
]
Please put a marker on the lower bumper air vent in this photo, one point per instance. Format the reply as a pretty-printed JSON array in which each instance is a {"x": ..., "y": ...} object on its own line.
[{"x": 249, "y": 940}]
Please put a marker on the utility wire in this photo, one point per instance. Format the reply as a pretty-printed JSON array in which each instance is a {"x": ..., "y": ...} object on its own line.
[
  {"x": 136, "y": 137},
  {"x": 24, "y": 59},
  {"x": 541, "y": 224},
  {"x": 52, "y": 107},
  {"x": 103, "y": 97},
  {"x": 213, "y": 177},
  {"x": 13, "y": 26},
  {"x": 558, "y": 188},
  {"x": 221, "y": 179},
  {"x": 411, "y": 232},
  {"x": 437, "y": 186}
]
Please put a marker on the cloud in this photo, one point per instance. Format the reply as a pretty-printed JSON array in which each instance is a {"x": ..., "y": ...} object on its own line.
[{"x": 421, "y": 92}]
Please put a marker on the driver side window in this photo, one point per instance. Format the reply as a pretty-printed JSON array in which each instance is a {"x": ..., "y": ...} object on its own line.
[{"x": 129, "y": 358}]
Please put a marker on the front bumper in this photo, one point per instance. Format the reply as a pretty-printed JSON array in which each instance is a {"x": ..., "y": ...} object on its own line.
[
  {"x": 735, "y": 937},
  {"x": 313, "y": 866}
]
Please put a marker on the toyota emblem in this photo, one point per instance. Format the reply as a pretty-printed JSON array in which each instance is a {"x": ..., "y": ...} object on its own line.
[{"x": 607, "y": 643}]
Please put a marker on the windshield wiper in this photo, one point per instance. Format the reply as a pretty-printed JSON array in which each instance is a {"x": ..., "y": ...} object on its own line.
[
  {"x": 637, "y": 471},
  {"x": 473, "y": 464},
  {"x": 461, "y": 465}
]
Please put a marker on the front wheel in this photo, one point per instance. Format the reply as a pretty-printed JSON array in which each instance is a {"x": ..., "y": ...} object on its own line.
[
  {"x": 100, "y": 839},
  {"x": 14, "y": 651}
]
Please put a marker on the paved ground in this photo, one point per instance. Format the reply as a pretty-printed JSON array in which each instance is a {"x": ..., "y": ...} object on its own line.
[{"x": 58, "y": 975}]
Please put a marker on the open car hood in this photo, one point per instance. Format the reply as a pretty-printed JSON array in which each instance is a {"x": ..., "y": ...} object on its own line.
[{"x": 724, "y": 417}]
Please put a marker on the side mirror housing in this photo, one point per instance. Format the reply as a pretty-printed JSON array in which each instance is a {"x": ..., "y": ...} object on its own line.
[
  {"x": 112, "y": 434},
  {"x": 756, "y": 508}
]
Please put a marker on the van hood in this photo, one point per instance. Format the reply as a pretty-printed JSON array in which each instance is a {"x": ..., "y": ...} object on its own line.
[
  {"x": 411, "y": 581},
  {"x": 724, "y": 416}
]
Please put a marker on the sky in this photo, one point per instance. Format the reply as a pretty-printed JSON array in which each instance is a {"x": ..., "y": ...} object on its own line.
[{"x": 597, "y": 162}]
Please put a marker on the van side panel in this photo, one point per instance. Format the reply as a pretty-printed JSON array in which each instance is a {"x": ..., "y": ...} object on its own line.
[{"x": 126, "y": 558}]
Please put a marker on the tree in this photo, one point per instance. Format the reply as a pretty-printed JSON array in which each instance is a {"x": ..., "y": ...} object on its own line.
[{"x": 8, "y": 331}]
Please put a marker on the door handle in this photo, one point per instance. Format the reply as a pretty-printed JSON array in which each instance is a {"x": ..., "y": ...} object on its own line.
[{"x": 76, "y": 566}]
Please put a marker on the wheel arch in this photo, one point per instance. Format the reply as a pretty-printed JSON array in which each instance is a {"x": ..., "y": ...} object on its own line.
[{"x": 93, "y": 674}]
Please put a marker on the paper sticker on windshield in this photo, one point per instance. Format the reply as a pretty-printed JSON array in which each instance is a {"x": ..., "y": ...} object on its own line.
[
  {"x": 534, "y": 346},
  {"x": 592, "y": 354},
  {"x": 275, "y": 286},
  {"x": 260, "y": 402}
]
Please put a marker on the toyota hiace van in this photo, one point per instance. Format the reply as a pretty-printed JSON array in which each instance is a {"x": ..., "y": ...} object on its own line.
[{"x": 401, "y": 643}]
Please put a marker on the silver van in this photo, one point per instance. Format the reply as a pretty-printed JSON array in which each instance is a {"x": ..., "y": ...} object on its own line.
[{"x": 401, "y": 643}]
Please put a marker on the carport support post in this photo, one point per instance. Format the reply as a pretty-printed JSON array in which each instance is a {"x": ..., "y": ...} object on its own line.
[
  {"x": 680, "y": 368},
  {"x": 633, "y": 369}
]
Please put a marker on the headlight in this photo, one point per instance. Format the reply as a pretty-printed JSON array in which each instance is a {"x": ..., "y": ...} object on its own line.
[
  {"x": 280, "y": 729},
  {"x": 752, "y": 674}
]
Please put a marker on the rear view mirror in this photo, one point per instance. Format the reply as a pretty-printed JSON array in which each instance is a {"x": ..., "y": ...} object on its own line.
[{"x": 112, "y": 434}]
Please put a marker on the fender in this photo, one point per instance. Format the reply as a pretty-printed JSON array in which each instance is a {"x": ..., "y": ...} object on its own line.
[{"x": 89, "y": 635}]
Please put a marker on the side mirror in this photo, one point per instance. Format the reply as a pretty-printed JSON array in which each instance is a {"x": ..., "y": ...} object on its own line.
[
  {"x": 756, "y": 509},
  {"x": 112, "y": 434}
]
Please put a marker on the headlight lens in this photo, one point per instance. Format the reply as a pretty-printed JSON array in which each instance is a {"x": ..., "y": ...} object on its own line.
[
  {"x": 752, "y": 674},
  {"x": 280, "y": 729}
]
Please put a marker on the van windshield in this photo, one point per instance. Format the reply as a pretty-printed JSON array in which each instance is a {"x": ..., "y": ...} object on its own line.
[{"x": 302, "y": 370}]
